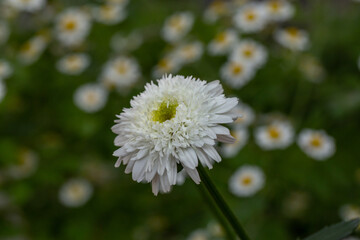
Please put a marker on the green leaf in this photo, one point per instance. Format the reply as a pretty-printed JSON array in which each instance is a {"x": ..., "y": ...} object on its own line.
[{"x": 335, "y": 232}]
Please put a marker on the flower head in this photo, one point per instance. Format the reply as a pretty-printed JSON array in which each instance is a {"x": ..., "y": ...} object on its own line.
[
  {"x": 109, "y": 13},
  {"x": 316, "y": 144},
  {"x": 247, "y": 181},
  {"x": 75, "y": 192},
  {"x": 249, "y": 51},
  {"x": 175, "y": 122},
  {"x": 73, "y": 64},
  {"x": 241, "y": 135},
  {"x": 276, "y": 135},
  {"x": 250, "y": 18},
  {"x": 27, "y": 5},
  {"x": 177, "y": 26},
  {"x": 223, "y": 42},
  {"x": 237, "y": 73},
  {"x": 292, "y": 38},
  {"x": 5, "y": 69},
  {"x": 90, "y": 97},
  {"x": 4, "y": 32},
  {"x": 279, "y": 10}
]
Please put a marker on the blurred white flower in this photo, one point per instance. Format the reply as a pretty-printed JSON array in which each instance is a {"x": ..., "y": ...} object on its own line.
[
  {"x": 241, "y": 135},
  {"x": 247, "y": 115},
  {"x": 279, "y": 10},
  {"x": 75, "y": 192},
  {"x": 72, "y": 26},
  {"x": 247, "y": 181},
  {"x": 251, "y": 18},
  {"x": 249, "y": 51},
  {"x": 26, "y": 165},
  {"x": 237, "y": 73},
  {"x": 215, "y": 10},
  {"x": 120, "y": 43},
  {"x": 168, "y": 64},
  {"x": 316, "y": 144},
  {"x": 118, "y": 2},
  {"x": 4, "y": 32},
  {"x": 295, "y": 204},
  {"x": 120, "y": 72},
  {"x": 5, "y": 69},
  {"x": 73, "y": 64},
  {"x": 215, "y": 230},
  {"x": 292, "y": 38},
  {"x": 276, "y": 135},
  {"x": 90, "y": 97},
  {"x": 312, "y": 69},
  {"x": 27, "y": 5},
  {"x": 177, "y": 26},
  {"x": 189, "y": 52},
  {"x": 31, "y": 50},
  {"x": 2, "y": 91},
  {"x": 223, "y": 42},
  {"x": 109, "y": 13},
  {"x": 199, "y": 234},
  {"x": 174, "y": 122},
  {"x": 349, "y": 212}
]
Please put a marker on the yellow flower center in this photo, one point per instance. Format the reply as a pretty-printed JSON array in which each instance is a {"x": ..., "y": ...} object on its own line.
[
  {"x": 176, "y": 23},
  {"x": 275, "y": 6},
  {"x": 293, "y": 32},
  {"x": 316, "y": 141},
  {"x": 165, "y": 111},
  {"x": 236, "y": 69},
  {"x": 91, "y": 97},
  {"x": 247, "y": 180},
  {"x": 69, "y": 25},
  {"x": 248, "y": 52},
  {"x": 250, "y": 16},
  {"x": 273, "y": 132},
  {"x": 163, "y": 64},
  {"x": 221, "y": 37},
  {"x": 122, "y": 68}
]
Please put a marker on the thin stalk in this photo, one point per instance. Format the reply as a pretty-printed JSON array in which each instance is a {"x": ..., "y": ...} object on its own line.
[
  {"x": 216, "y": 211},
  {"x": 220, "y": 202}
]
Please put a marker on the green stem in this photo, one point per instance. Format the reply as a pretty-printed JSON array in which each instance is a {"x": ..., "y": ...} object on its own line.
[
  {"x": 215, "y": 210},
  {"x": 219, "y": 200}
]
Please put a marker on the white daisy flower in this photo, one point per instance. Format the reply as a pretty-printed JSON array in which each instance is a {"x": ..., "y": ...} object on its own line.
[
  {"x": 237, "y": 73},
  {"x": 90, "y": 97},
  {"x": 2, "y": 91},
  {"x": 177, "y": 26},
  {"x": 279, "y": 10},
  {"x": 223, "y": 42},
  {"x": 31, "y": 50},
  {"x": 349, "y": 212},
  {"x": 276, "y": 135},
  {"x": 27, "y": 5},
  {"x": 247, "y": 115},
  {"x": 173, "y": 123},
  {"x": 247, "y": 181},
  {"x": 250, "y": 52},
  {"x": 231, "y": 150},
  {"x": 5, "y": 69},
  {"x": 4, "y": 32},
  {"x": 316, "y": 144},
  {"x": 199, "y": 234},
  {"x": 72, "y": 26},
  {"x": 75, "y": 192},
  {"x": 120, "y": 43},
  {"x": 251, "y": 18},
  {"x": 120, "y": 72},
  {"x": 26, "y": 165},
  {"x": 312, "y": 69},
  {"x": 189, "y": 52},
  {"x": 168, "y": 64},
  {"x": 215, "y": 10},
  {"x": 109, "y": 14},
  {"x": 215, "y": 230},
  {"x": 122, "y": 3},
  {"x": 73, "y": 64},
  {"x": 292, "y": 38}
]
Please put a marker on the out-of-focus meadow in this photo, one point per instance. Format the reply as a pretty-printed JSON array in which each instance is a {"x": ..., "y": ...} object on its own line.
[{"x": 67, "y": 67}]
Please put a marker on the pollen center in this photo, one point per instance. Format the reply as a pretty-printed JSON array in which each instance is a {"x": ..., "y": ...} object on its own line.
[
  {"x": 246, "y": 180},
  {"x": 273, "y": 132},
  {"x": 165, "y": 111},
  {"x": 316, "y": 141}
]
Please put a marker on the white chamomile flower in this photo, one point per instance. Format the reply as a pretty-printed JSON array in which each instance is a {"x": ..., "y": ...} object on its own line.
[
  {"x": 27, "y": 5},
  {"x": 72, "y": 26},
  {"x": 90, "y": 97},
  {"x": 122, "y": 3},
  {"x": 2, "y": 91},
  {"x": 189, "y": 52},
  {"x": 237, "y": 73},
  {"x": 247, "y": 181},
  {"x": 292, "y": 38},
  {"x": 75, "y": 192},
  {"x": 120, "y": 72},
  {"x": 247, "y": 115},
  {"x": 173, "y": 123},
  {"x": 25, "y": 165},
  {"x": 223, "y": 42},
  {"x": 349, "y": 212},
  {"x": 251, "y": 18},
  {"x": 199, "y": 234},
  {"x": 215, "y": 230},
  {"x": 109, "y": 14},
  {"x": 249, "y": 51},
  {"x": 312, "y": 69},
  {"x": 166, "y": 65},
  {"x": 5, "y": 69},
  {"x": 121, "y": 43},
  {"x": 73, "y": 64},
  {"x": 276, "y": 135},
  {"x": 4, "y": 32},
  {"x": 215, "y": 10},
  {"x": 279, "y": 10},
  {"x": 316, "y": 144},
  {"x": 177, "y": 26},
  {"x": 32, "y": 49},
  {"x": 241, "y": 135}
]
